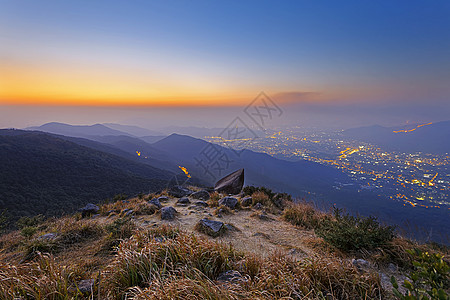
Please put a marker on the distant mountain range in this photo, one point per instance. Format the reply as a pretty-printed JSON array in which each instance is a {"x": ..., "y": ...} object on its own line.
[
  {"x": 170, "y": 152},
  {"x": 52, "y": 173},
  {"x": 428, "y": 138}
]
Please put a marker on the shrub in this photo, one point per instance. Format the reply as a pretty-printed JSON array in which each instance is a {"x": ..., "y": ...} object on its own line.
[
  {"x": 30, "y": 222},
  {"x": 3, "y": 220},
  {"x": 250, "y": 190},
  {"x": 121, "y": 228},
  {"x": 430, "y": 277},
  {"x": 28, "y": 231},
  {"x": 33, "y": 247},
  {"x": 266, "y": 197},
  {"x": 347, "y": 232}
]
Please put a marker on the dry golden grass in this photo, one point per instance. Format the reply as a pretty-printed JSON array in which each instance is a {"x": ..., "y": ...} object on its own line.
[
  {"x": 186, "y": 267},
  {"x": 303, "y": 214},
  {"x": 138, "y": 258},
  {"x": 42, "y": 279},
  {"x": 214, "y": 199}
]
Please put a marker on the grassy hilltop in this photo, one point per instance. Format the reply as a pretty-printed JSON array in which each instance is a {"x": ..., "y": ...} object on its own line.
[{"x": 263, "y": 247}]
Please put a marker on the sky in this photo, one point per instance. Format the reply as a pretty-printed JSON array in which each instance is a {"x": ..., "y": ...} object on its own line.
[{"x": 340, "y": 63}]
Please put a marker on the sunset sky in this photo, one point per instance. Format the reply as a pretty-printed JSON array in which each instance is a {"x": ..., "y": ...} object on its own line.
[{"x": 162, "y": 54}]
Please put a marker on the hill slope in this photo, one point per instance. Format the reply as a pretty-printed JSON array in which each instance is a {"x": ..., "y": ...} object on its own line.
[{"x": 44, "y": 174}]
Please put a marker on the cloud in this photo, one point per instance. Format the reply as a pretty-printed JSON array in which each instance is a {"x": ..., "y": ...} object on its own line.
[{"x": 297, "y": 97}]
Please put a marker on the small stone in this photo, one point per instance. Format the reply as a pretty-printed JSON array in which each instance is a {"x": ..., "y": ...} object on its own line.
[
  {"x": 247, "y": 201},
  {"x": 86, "y": 286},
  {"x": 183, "y": 201},
  {"x": 230, "y": 202},
  {"x": 48, "y": 237},
  {"x": 163, "y": 199},
  {"x": 361, "y": 264},
  {"x": 155, "y": 202},
  {"x": 231, "y": 276},
  {"x": 168, "y": 213},
  {"x": 179, "y": 191},
  {"x": 264, "y": 217},
  {"x": 89, "y": 209},
  {"x": 201, "y": 203},
  {"x": 392, "y": 268},
  {"x": 211, "y": 228},
  {"x": 202, "y": 195},
  {"x": 258, "y": 206}
]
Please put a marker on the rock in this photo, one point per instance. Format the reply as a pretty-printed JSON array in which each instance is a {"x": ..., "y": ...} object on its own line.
[
  {"x": 179, "y": 191},
  {"x": 183, "y": 201},
  {"x": 86, "y": 286},
  {"x": 231, "y": 184},
  {"x": 201, "y": 203},
  {"x": 168, "y": 213},
  {"x": 127, "y": 212},
  {"x": 89, "y": 209},
  {"x": 155, "y": 202},
  {"x": 48, "y": 237},
  {"x": 159, "y": 239},
  {"x": 201, "y": 195},
  {"x": 163, "y": 199},
  {"x": 231, "y": 227},
  {"x": 392, "y": 268},
  {"x": 361, "y": 264},
  {"x": 211, "y": 228},
  {"x": 264, "y": 217},
  {"x": 231, "y": 276},
  {"x": 228, "y": 202},
  {"x": 247, "y": 201},
  {"x": 258, "y": 206}
]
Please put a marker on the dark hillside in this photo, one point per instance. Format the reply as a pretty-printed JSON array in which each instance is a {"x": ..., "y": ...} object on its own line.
[{"x": 43, "y": 174}]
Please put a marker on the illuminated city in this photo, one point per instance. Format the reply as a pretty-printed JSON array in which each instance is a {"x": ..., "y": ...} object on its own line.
[{"x": 416, "y": 179}]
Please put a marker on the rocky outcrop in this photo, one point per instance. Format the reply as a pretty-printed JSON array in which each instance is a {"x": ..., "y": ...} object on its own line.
[{"x": 231, "y": 184}]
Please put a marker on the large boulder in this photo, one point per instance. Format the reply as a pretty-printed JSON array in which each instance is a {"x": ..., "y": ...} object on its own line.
[
  {"x": 230, "y": 202},
  {"x": 201, "y": 195},
  {"x": 168, "y": 213},
  {"x": 89, "y": 209},
  {"x": 179, "y": 191},
  {"x": 231, "y": 184}
]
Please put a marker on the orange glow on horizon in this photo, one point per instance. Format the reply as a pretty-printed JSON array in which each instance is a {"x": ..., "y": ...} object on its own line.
[{"x": 411, "y": 130}]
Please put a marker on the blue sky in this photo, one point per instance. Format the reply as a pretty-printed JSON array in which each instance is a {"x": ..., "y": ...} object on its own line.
[{"x": 217, "y": 53}]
